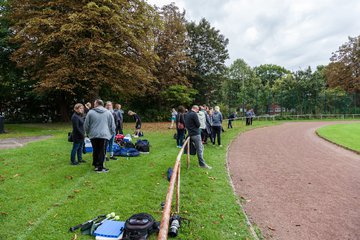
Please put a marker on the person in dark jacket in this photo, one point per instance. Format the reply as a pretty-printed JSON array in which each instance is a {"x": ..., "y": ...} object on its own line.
[
  {"x": 78, "y": 134},
  {"x": 137, "y": 123},
  {"x": 180, "y": 126},
  {"x": 192, "y": 124},
  {"x": 232, "y": 117}
]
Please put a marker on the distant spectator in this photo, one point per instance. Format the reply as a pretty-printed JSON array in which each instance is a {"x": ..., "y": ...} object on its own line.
[
  {"x": 232, "y": 117},
  {"x": 192, "y": 125},
  {"x": 109, "y": 106},
  {"x": 252, "y": 115},
  {"x": 248, "y": 116},
  {"x": 137, "y": 123},
  {"x": 173, "y": 117},
  {"x": 100, "y": 127},
  {"x": 78, "y": 134},
  {"x": 180, "y": 126},
  {"x": 217, "y": 126},
  {"x": 202, "y": 119},
  {"x": 120, "y": 118}
]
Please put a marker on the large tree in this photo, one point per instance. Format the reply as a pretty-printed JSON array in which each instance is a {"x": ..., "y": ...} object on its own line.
[
  {"x": 74, "y": 49},
  {"x": 269, "y": 73},
  {"x": 209, "y": 52},
  {"x": 242, "y": 87},
  {"x": 344, "y": 69}
]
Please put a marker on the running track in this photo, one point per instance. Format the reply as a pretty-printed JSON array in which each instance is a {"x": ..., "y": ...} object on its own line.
[{"x": 295, "y": 184}]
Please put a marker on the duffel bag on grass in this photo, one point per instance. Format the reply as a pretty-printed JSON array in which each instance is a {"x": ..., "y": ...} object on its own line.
[
  {"x": 128, "y": 152},
  {"x": 143, "y": 146}
]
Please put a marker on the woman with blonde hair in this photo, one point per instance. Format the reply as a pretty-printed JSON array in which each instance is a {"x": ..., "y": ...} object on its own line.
[{"x": 78, "y": 134}]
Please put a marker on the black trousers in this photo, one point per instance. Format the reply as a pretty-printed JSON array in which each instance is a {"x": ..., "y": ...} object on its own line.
[
  {"x": 216, "y": 133},
  {"x": 247, "y": 121},
  {"x": 99, "y": 151},
  {"x": 119, "y": 129},
  {"x": 230, "y": 124}
]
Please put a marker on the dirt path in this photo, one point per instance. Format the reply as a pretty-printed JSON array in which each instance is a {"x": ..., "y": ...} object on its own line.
[
  {"x": 297, "y": 185},
  {"x": 19, "y": 142}
]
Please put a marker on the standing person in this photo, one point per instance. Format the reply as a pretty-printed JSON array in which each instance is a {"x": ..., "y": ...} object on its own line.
[
  {"x": 120, "y": 118},
  {"x": 252, "y": 115},
  {"x": 78, "y": 134},
  {"x": 99, "y": 126},
  {"x": 192, "y": 125},
  {"x": 232, "y": 117},
  {"x": 247, "y": 115},
  {"x": 109, "y": 107},
  {"x": 180, "y": 126},
  {"x": 202, "y": 120},
  {"x": 217, "y": 126},
  {"x": 137, "y": 123},
  {"x": 173, "y": 117}
]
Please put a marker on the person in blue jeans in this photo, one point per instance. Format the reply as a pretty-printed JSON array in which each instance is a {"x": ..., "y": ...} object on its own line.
[
  {"x": 180, "y": 126},
  {"x": 109, "y": 106},
  {"x": 192, "y": 124},
  {"x": 78, "y": 134}
]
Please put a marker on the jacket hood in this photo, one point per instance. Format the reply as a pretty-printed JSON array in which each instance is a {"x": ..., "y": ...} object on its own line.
[{"x": 100, "y": 109}]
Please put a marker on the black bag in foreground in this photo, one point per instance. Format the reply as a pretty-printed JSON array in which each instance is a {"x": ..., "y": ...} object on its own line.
[
  {"x": 140, "y": 226},
  {"x": 70, "y": 137},
  {"x": 192, "y": 148}
]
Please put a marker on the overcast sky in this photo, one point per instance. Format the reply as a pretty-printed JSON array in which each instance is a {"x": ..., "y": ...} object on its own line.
[{"x": 290, "y": 33}]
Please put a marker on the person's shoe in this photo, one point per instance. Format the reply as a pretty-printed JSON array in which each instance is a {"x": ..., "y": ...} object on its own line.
[
  {"x": 113, "y": 158},
  {"x": 179, "y": 146},
  {"x": 97, "y": 169},
  {"x": 220, "y": 145},
  {"x": 74, "y": 163},
  {"x": 105, "y": 170},
  {"x": 136, "y": 136},
  {"x": 82, "y": 161},
  {"x": 205, "y": 166}
]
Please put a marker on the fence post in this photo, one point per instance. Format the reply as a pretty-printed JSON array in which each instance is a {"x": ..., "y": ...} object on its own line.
[
  {"x": 178, "y": 189},
  {"x": 188, "y": 154}
]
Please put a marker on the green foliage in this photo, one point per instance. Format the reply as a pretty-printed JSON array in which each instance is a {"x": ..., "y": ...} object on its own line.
[
  {"x": 179, "y": 95},
  {"x": 269, "y": 73},
  {"x": 208, "y": 50}
]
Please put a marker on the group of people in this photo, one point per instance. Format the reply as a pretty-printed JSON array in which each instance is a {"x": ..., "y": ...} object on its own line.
[
  {"x": 210, "y": 120},
  {"x": 101, "y": 124},
  {"x": 249, "y": 114}
]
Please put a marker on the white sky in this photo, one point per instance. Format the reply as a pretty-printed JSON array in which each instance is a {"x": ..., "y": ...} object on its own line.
[{"x": 290, "y": 33}]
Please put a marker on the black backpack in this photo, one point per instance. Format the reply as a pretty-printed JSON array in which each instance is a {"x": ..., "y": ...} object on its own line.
[
  {"x": 129, "y": 145},
  {"x": 143, "y": 146},
  {"x": 192, "y": 148},
  {"x": 140, "y": 226}
]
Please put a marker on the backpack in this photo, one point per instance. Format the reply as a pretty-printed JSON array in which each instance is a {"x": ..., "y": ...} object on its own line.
[
  {"x": 129, "y": 152},
  {"x": 140, "y": 226},
  {"x": 142, "y": 146},
  {"x": 192, "y": 148},
  {"x": 129, "y": 145}
]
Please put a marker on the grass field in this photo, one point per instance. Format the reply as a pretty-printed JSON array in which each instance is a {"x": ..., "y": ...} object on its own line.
[
  {"x": 347, "y": 135},
  {"x": 42, "y": 195}
]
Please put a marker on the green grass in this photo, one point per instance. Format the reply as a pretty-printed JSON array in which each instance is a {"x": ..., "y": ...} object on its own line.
[
  {"x": 42, "y": 195},
  {"x": 347, "y": 135}
]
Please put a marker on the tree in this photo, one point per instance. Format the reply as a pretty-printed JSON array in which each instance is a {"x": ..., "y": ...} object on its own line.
[
  {"x": 177, "y": 95},
  {"x": 241, "y": 86},
  {"x": 74, "y": 49},
  {"x": 344, "y": 69},
  {"x": 269, "y": 73},
  {"x": 171, "y": 47},
  {"x": 208, "y": 50}
]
